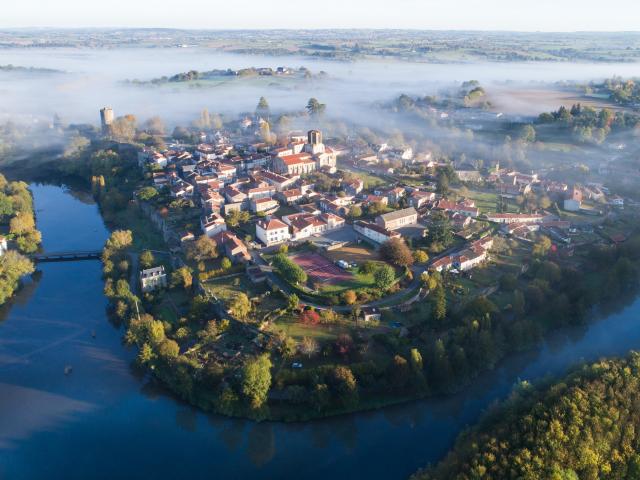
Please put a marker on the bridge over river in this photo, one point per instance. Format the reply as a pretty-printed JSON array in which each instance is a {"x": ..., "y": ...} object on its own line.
[{"x": 70, "y": 256}]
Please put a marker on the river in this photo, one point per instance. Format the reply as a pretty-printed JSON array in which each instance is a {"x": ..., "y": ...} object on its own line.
[{"x": 104, "y": 421}]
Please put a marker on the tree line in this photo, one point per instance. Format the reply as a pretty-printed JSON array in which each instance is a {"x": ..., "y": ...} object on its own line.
[{"x": 585, "y": 426}]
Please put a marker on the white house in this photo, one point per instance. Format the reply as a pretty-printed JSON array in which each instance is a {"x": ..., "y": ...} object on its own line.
[
  {"x": 153, "y": 278},
  {"x": 272, "y": 231},
  {"x": 374, "y": 232},
  {"x": 212, "y": 224}
]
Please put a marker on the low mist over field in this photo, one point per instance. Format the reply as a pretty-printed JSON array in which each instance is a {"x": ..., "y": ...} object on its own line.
[{"x": 93, "y": 78}]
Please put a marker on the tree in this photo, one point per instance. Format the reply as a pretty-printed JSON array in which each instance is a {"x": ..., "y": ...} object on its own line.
[
  {"x": 396, "y": 252},
  {"x": 225, "y": 264},
  {"x": 399, "y": 372},
  {"x": 420, "y": 256},
  {"x": 262, "y": 109},
  {"x": 241, "y": 306},
  {"x": 13, "y": 266},
  {"x": 169, "y": 349},
  {"x": 309, "y": 347},
  {"x": 182, "y": 277},
  {"x": 256, "y": 380},
  {"x": 28, "y": 243},
  {"x": 204, "y": 248},
  {"x": 440, "y": 229},
  {"x": 123, "y": 129},
  {"x": 146, "y": 354},
  {"x": 22, "y": 223},
  {"x": 439, "y": 304},
  {"x": 119, "y": 240},
  {"x": 442, "y": 184},
  {"x": 315, "y": 108},
  {"x": 384, "y": 277},
  {"x": 344, "y": 384},
  {"x": 541, "y": 247},
  {"x": 416, "y": 361},
  {"x": 355, "y": 212},
  {"x": 265, "y": 133},
  {"x": 544, "y": 202},
  {"x": 349, "y": 297},
  {"x": 155, "y": 126},
  {"x": 289, "y": 270},
  {"x": 216, "y": 121},
  {"x": 527, "y": 134},
  {"x": 293, "y": 301},
  {"x": 204, "y": 121},
  {"x": 147, "y": 193},
  {"x": 6, "y": 205},
  {"x": 146, "y": 259},
  {"x": 288, "y": 346},
  {"x": 181, "y": 133}
]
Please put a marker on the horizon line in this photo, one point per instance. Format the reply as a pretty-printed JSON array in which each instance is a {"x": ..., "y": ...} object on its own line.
[{"x": 319, "y": 29}]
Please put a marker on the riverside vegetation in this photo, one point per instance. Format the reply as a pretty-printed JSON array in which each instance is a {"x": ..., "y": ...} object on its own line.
[
  {"x": 584, "y": 426},
  {"x": 17, "y": 220}
]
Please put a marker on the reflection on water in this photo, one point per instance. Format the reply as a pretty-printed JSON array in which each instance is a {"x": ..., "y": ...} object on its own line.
[
  {"x": 27, "y": 411},
  {"x": 261, "y": 446},
  {"x": 54, "y": 425}
]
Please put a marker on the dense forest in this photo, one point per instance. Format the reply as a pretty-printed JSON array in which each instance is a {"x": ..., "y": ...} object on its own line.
[{"x": 583, "y": 427}]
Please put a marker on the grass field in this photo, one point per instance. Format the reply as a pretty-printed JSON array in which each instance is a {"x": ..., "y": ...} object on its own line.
[
  {"x": 353, "y": 254},
  {"x": 291, "y": 325},
  {"x": 225, "y": 289},
  {"x": 145, "y": 234},
  {"x": 487, "y": 201},
  {"x": 370, "y": 180}
]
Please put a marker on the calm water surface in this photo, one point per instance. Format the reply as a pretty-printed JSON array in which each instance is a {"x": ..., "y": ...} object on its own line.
[{"x": 103, "y": 421}]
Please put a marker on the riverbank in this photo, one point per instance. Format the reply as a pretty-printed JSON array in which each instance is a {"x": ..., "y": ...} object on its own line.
[{"x": 18, "y": 236}]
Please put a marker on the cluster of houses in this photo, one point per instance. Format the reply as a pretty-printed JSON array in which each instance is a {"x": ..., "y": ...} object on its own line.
[{"x": 223, "y": 177}]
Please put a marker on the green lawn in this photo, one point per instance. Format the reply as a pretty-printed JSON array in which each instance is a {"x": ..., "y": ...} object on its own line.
[
  {"x": 487, "y": 201},
  {"x": 166, "y": 313},
  {"x": 226, "y": 289},
  {"x": 145, "y": 234},
  {"x": 370, "y": 180},
  {"x": 297, "y": 330}
]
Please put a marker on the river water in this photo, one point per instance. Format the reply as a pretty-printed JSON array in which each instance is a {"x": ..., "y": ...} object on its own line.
[{"x": 104, "y": 421}]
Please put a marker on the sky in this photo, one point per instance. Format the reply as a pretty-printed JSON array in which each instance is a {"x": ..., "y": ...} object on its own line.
[{"x": 514, "y": 15}]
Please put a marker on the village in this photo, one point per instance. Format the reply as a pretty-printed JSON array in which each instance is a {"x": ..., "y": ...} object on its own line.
[{"x": 306, "y": 239}]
